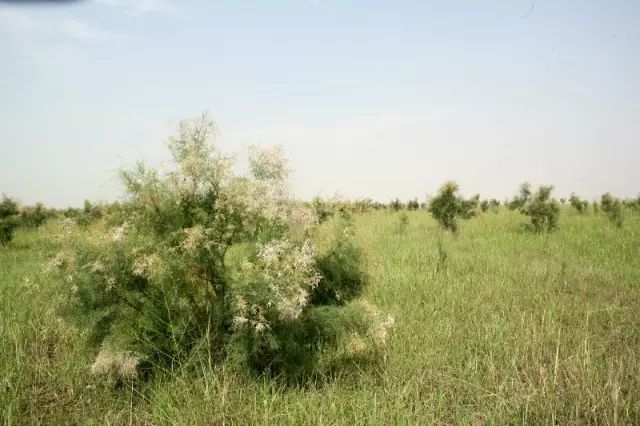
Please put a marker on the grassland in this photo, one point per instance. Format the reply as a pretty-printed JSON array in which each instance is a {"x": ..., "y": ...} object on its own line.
[{"x": 495, "y": 325}]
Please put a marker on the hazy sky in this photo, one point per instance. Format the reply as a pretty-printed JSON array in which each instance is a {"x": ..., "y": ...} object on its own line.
[{"x": 369, "y": 98}]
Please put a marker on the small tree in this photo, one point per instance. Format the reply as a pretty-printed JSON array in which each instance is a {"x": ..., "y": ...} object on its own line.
[
  {"x": 8, "y": 219},
  {"x": 448, "y": 206},
  {"x": 578, "y": 204},
  {"x": 613, "y": 209},
  {"x": 540, "y": 207}
]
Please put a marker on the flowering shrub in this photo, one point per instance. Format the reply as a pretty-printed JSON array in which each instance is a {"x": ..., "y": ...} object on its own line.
[{"x": 217, "y": 263}]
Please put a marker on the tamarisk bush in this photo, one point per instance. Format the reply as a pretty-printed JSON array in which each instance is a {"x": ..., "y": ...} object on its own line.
[
  {"x": 613, "y": 209},
  {"x": 413, "y": 204},
  {"x": 8, "y": 219},
  {"x": 224, "y": 266},
  {"x": 35, "y": 216},
  {"x": 578, "y": 204},
  {"x": 524, "y": 195},
  {"x": 448, "y": 206},
  {"x": 396, "y": 205},
  {"x": 539, "y": 206}
]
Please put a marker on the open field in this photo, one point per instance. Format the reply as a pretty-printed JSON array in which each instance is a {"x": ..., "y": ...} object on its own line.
[{"x": 495, "y": 325}]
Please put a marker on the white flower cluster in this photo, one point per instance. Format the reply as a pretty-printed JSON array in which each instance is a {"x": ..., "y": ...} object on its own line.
[
  {"x": 62, "y": 259},
  {"x": 288, "y": 273},
  {"x": 268, "y": 163},
  {"x": 117, "y": 234},
  {"x": 380, "y": 325},
  {"x": 194, "y": 238},
  {"x": 143, "y": 266},
  {"x": 115, "y": 364}
]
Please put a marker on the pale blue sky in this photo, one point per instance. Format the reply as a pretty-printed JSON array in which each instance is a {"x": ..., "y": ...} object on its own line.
[{"x": 368, "y": 98}]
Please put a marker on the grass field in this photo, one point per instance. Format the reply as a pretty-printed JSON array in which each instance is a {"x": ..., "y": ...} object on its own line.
[{"x": 495, "y": 325}]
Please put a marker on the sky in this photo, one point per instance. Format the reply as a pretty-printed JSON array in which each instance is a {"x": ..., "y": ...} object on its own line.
[{"x": 368, "y": 98}]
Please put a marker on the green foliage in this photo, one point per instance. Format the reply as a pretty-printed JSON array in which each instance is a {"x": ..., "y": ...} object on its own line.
[
  {"x": 613, "y": 208},
  {"x": 34, "y": 217},
  {"x": 396, "y": 205},
  {"x": 540, "y": 207},
  {"x": 578, "y": 204},
  {"x": 498, "y": 315},
  {"x": 213, "y": 263},
  {"x": 341, "y": 268},
  {"x": 413, "y": 204},
  {"x": 524, "y": 195},
  {"x": 448, "y": 206},
  {"x": 8, "y": 219},
  {"x": 484, "y": 206},
  {"x": 321, "y": 209}
]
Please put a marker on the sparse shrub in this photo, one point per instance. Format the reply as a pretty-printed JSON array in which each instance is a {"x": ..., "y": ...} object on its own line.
[
  {"x": 8, "y": 219},
  {"x": 563, "y": 200},
  {"x": 613, "y": 209},
  {"x": 469, "y": 207},
  {"x": 578, "y": 204},
  {"x": 540, "y": 207},
  {"x": 484, "y": 206},
  {"x": 413, "y": 204},
  {"x": 448, "y": 206},
  {"x": 34, "y": 217},
  {"x": 396, "y": 205},
  {"x": 524, "y": 195},
  {"x": 219, "y": 264},
  {"x": 363, "y": 205}
]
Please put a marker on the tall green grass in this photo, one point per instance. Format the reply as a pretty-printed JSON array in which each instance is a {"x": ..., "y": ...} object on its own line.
[{"x": 493, "y": 325}]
